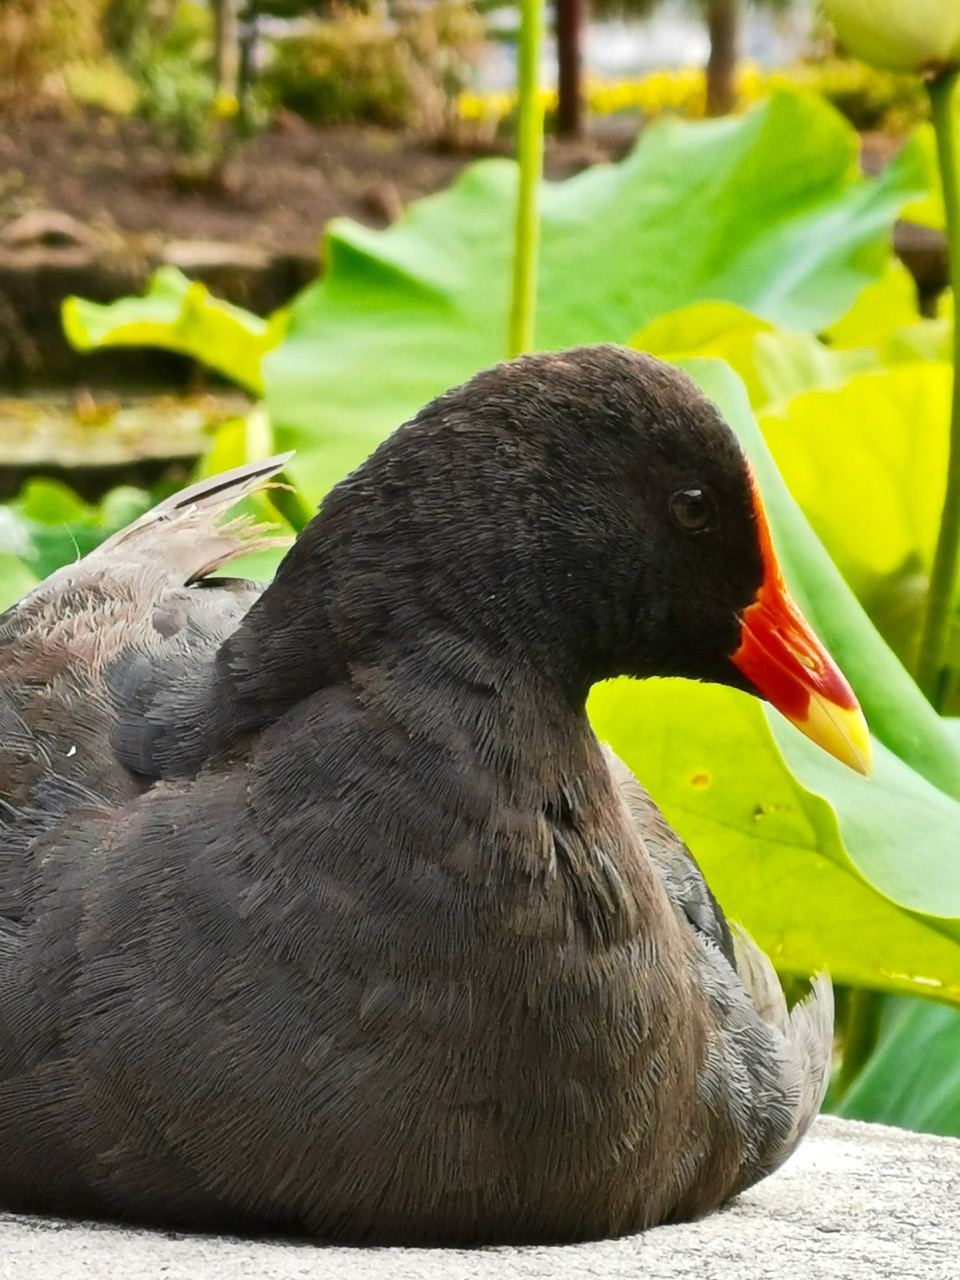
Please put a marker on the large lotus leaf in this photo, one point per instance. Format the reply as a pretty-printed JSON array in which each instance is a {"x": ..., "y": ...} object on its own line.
[
  {"x": 824, "y": 867},
  {"x": 788, "y": 364},
  {"x": 178, "y": 315},
  {"x": 867, "y": 463},
  {"x": 912, "y": 1079},
  {"x": 717, "y": 330},
  {"x": 899, "y": 830},
  {"x": 882, "y": 328},
  {"x": 771, "y": 850},
  {"x": 765, "y": 212},
  {"x": 927, "y": 340},
  {"x": 773, "y": 364},
  {"x": 886, "y": 305}
]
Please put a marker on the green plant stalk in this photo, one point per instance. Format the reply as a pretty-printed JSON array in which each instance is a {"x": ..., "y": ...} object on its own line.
[
  {"x": 861, "y": 1030},
  {"x": 530, "y": 158},
  {"x": 936, "y": 623}
]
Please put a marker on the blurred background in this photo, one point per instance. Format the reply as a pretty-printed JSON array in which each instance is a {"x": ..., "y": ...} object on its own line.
[{"x": 220, "y": 136}]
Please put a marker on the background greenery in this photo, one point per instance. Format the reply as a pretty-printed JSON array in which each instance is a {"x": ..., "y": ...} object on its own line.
[{"x": 388, "y": 61}]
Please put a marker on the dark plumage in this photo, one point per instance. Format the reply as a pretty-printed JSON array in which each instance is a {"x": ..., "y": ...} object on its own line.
[{"x": 323, "y": 908}]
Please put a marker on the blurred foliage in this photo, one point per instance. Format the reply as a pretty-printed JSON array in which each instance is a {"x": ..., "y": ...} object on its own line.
[
  {"x": 47, "y": 525},
  {"x": 645, "y": 8},
  {"x": 869, "y": 99},
  {"x": 161, "y": 65},
  {"x": 38, "y": 40},
  {"x": 103, "y": 83},
  {"x": 347, "y": 67},
  {"x": 172, "y": 64},
  {"x": 752, "y": 252},
  {"x": 128, "y": 24},
  {"x": 913, "y": 1077},
  {"x": 402, "y": 65}
]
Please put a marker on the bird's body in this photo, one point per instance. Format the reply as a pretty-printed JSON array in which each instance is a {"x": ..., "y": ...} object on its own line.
[{"x": 324, "y": 909}]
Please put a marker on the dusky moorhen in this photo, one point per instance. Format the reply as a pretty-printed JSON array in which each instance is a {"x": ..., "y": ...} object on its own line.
[{"x": 322, "y": 907}]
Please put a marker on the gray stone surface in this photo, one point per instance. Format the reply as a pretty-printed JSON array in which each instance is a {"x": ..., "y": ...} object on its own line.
[{"x": 857, "y": 1202}]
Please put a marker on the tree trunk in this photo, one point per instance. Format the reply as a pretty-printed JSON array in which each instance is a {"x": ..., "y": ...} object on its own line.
[
  {"x": 571, "y": 107},
  {"x": 249, "y": 33},
  {"x": 225, "y": 42},
  {"x": 723, "y": 25}
]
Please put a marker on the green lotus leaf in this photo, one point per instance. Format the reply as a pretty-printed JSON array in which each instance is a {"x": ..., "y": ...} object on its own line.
[
  {"x": 765, "y": 212},
  {"x": 179, "y": 315}
]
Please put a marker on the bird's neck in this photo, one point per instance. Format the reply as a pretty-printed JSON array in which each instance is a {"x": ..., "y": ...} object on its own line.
[
  {"x": 342, "y": 604},
  {"x": 488, "y": 740}
]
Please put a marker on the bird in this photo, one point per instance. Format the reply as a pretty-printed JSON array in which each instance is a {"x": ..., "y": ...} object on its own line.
[{"x": 323, "y": 909}]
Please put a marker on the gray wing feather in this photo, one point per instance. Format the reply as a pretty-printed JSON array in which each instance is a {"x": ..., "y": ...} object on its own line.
[
  {"x": 87, "y": 655},
  {"x": 774, "y": 1063},
  {"x": 686, "y": 888}
]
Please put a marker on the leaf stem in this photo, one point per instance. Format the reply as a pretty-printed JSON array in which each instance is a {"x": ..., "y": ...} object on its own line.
[
  {"x": 936, "y": 623},
  {"x": 530, "y": 158}
]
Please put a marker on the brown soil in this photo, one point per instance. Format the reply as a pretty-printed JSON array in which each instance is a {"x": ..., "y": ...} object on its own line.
[{"x": 277, "y": 193}]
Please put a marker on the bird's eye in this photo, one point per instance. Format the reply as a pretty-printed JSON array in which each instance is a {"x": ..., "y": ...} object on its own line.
[{"x": 693, "y": 510}]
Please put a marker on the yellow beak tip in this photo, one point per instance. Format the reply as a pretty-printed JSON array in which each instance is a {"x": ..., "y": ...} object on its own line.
[{"x": 841, "y": 731}]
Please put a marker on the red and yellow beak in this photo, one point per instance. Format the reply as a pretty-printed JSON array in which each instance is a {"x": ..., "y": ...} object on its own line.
[{"x": 789, "y": 667}]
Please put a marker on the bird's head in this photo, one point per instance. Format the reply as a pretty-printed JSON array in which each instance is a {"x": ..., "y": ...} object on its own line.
[{"x": 590, "y": 514}]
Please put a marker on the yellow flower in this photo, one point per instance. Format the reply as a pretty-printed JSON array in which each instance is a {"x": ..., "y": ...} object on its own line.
[{"x": 225, "y": 106}]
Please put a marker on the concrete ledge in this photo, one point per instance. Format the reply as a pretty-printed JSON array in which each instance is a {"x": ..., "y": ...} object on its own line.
[{"x": 857, "y": 1202}]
